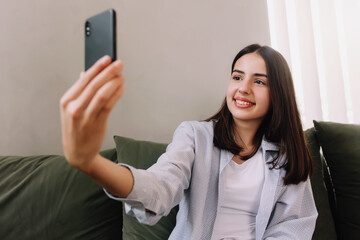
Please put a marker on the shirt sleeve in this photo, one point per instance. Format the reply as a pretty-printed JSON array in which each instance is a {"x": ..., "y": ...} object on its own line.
[
  {"x": 161, "y": 187},
  {"x": 294, "y": 215}
]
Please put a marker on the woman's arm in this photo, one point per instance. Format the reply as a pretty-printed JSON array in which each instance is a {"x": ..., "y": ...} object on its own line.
[{"x": 85, "y": 109}]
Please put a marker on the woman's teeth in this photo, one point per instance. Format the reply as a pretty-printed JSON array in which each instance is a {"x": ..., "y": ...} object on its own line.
[{"x": 244, "y": 103}]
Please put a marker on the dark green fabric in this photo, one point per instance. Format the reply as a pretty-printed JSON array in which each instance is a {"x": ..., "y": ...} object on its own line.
[
  {"x": 143, "y": 154},
  {"x": 110, "y": 154},
  {"x": 341, "y": 147},
  {"x": 325, "y": 227},
  {"x": 43, "y": 197}
]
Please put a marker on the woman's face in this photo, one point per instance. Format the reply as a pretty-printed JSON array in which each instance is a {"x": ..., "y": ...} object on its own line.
[{"x": 248, "y": 93}]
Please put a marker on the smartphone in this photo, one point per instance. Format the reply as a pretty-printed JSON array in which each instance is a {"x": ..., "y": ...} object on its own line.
[{"x": 100, "y": 37}]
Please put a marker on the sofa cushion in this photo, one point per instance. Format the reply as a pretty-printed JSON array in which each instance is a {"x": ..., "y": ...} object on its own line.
[
  {"x": 143, "y": 154},
  {"x": 43, "y": 197},
  {"x": 325, "y": 227},
  {"x": 341, "y": 148}
]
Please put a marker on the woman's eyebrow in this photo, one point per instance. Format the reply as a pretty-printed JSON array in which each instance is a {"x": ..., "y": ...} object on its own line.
[
  {"x": 260, "y": 75},
  {"x": 255, "y": 74},
  {"x": 238, "y": 71}
]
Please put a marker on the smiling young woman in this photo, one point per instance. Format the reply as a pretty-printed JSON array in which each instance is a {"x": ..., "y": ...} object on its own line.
[
  {"x": 272, "y": 83},
  {"x": 241, "y": 174}
]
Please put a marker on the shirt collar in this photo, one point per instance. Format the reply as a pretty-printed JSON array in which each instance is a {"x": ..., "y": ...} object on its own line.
[
  {"x": 266, "y": 145},
  {"x": 269, "y": 146}
]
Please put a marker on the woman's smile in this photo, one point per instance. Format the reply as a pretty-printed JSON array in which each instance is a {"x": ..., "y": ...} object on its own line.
[{"x": 243, "y": 103}]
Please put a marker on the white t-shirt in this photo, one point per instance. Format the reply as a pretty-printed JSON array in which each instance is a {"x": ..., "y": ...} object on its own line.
[{"x": 239, "y": 201}]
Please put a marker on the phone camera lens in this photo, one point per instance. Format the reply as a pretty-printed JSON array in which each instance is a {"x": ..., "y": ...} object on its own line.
[{"x": 87, "y": 29}]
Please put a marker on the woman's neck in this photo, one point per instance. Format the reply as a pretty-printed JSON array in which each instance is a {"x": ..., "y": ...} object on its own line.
[{"x": 245, "y": 134}]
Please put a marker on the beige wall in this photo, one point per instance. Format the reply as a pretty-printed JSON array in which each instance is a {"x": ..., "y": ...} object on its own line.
[{"x": 177, "y": 58}]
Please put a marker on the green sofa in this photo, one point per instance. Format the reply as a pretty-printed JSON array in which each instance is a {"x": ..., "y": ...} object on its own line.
[{"x": 42, "y": 197}]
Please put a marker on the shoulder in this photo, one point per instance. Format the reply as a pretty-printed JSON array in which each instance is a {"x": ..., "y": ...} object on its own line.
[
  {"x": 198, "y": 127},
  {"x": 200, "y": 133}
]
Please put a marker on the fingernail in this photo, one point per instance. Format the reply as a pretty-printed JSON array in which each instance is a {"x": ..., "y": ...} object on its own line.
[
  {"x": 118, "y": 63},
  {"x": 105, "y": 59}
]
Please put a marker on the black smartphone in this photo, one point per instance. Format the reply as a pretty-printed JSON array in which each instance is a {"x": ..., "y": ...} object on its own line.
[{"x": 100, "y": 37}]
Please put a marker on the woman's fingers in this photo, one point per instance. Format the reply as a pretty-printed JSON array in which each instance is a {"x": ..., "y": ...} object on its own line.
[
  {"x": 111, "y": 103},
  {"x": 104, "y": 114},
  {"x": 100, "y": 65},
  {"x": 84, "y": 79},
  {"x": 76, "y": 101},
  {"x": 99, "y": 80},
  {"x": 105, "y": 98}
]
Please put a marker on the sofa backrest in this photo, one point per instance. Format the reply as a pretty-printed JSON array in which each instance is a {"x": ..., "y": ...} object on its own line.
[
  {"x": 340, "y": 144},
  {"x": 43, "y": 197}
]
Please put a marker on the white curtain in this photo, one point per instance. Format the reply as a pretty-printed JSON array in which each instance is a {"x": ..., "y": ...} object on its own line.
[{"x": 321, "y": 41}]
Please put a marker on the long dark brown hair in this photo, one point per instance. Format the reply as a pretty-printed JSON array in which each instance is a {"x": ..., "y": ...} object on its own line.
[{"x": 281, "y": 124}]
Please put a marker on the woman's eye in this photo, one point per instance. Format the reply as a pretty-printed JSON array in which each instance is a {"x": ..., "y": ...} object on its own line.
[
  {"x": 259, "y": 82},
  {"x": 237, "y": 78}
]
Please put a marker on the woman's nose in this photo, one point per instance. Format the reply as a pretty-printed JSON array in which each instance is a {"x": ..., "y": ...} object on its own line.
[{"x": 245, "y": 87}]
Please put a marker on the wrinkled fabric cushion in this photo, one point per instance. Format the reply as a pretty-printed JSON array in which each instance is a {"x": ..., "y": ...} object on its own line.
[
  {"x": 141, "y": 155},
  {"x": 341, "y": 147},
  {"x": 43, "y": 197},
  {"x": 325, "y": 227}
]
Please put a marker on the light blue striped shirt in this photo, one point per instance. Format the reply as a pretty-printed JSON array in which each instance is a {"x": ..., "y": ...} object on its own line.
[{"x": 188, "y": 174}]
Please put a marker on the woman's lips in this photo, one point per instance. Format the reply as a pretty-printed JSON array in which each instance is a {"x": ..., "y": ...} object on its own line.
[{"x": 243, "y": 103}]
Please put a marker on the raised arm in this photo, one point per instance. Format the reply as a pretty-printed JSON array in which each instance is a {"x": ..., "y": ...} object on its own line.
[{"x": 85, "y": 109}]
